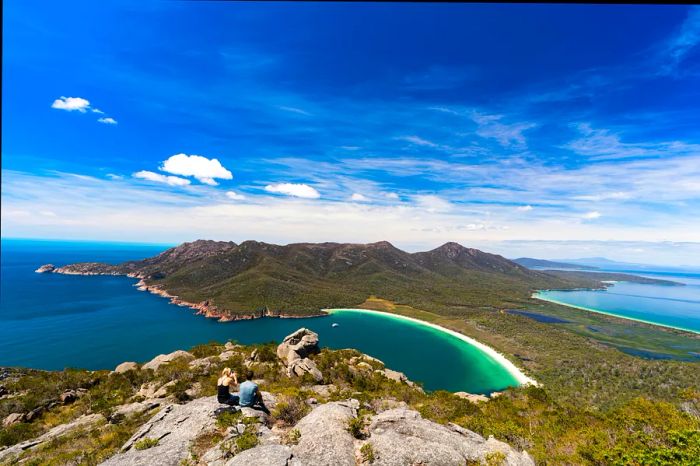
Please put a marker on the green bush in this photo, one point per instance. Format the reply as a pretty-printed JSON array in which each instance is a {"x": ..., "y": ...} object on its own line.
[
  {"x": 146, "y": 443},
  {"x": 367, "y": 452}
]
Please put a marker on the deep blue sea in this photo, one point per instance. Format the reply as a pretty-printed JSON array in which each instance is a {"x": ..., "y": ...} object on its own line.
[
  {"x": 52, "y": 321},
  {"x": 673, "y": 306}
]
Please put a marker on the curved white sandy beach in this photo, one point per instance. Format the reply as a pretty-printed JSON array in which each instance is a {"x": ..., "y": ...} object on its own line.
[
  {"x": 611, "y": 314},
  {"x": 492, "y": 353}
]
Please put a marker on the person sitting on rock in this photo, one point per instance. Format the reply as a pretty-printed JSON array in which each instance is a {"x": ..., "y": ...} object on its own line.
[
  {"x": 223, "y": 395},
  {"x": 250, "y": 396}
]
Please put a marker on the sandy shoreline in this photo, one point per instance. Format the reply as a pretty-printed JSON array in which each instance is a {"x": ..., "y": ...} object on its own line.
[
  {"x": 492, "y": 353},
  {"x": 598, "y": 311}
]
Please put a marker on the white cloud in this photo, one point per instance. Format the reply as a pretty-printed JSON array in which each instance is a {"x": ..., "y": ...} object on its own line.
[
  {"x": 591, "y": 215},
  {"x": 687, "y": 38},
  {"x": 107, "y": 121},
  {"x": 158, "y": 178},
  {"x": 507, "y": 135},
  {"x": 203, "y": 169},
  {"x": 293, "y": 189},
  {"x": 432, "y": 203},
  {"x": 97, "y": 110},
  {"x": 358, "y": 197},
  {"x": 391, "y": 195},
  {"x": 617, "y": 195},
  {"x": 235, "y": 196},
  {"x": 524, "y": 208},
  {"x": 113, "y": 176},
  {"x": 71, "y": 104},
  {"x": 418, "y": 141},
  {"x": 294, "y": 110}
]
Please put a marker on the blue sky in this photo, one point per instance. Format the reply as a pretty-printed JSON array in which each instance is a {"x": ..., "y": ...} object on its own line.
[{"x": 541, "y": 130}]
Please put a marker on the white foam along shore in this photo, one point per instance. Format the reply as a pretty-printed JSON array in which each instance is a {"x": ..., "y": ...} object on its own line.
[
  {"x": 492, "y": 353},
  {"x": 598, "y": 311}
]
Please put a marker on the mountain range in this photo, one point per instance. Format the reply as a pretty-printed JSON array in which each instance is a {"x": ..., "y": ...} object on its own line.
[{"x": 302, "y": 278}]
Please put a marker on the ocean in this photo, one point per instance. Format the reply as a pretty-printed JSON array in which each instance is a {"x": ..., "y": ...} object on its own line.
[{"x": 53, "y": 321}]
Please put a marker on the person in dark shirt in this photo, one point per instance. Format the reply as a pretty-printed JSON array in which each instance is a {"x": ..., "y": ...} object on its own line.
[{"x": 223, "y": 394}]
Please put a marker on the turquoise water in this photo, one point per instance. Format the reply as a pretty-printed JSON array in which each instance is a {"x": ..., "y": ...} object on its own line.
[
  {"x": 672, "y": 306},
  {"x": 52, "y": 321}
]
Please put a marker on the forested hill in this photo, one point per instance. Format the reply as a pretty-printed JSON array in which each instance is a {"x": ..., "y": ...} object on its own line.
[{"x": 303, "y": 278}]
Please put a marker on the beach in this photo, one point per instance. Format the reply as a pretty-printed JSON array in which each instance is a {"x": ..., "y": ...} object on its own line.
[{"x": 492, "y": 353}]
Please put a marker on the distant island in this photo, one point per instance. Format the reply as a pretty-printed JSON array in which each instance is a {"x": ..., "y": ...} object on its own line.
[
  {"x": 231, "y": 281},
  {"x": 530, "y": 263}
]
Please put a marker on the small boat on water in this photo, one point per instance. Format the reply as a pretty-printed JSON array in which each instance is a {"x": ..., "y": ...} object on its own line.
[{"x": 334, "y": 324}]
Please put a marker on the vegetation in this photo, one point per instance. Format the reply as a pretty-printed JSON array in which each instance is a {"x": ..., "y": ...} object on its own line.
[
  {"x": 367, "y": 452},
  {"x": 146, "y": 443}
]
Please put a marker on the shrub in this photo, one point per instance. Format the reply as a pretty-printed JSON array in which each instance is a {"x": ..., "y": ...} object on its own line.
[
  {"x": 248, "y": 439},
  {"x": 228, "y": 419},
  {"x": 292, "y": 437},
  {"x": 356, "y": 427},
  {"x": 146, "y": 443},
  {"x": 291, "y": 410},
  {"x": 367, "y": 452}
]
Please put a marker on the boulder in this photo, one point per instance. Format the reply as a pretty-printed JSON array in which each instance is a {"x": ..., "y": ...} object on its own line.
[
  {"x": 126, "y": 367},
  {"x": 226, "y": 355},
  {"x": 299, "y": 367},
  {"x": 13, "y": 418},
  {"x": 393, "y": 375},
  {"x": 299, "y": 344},
  {"x": 68, "y": 397},
  {"x": 401, "y": 436},
  {"x": 263, "y": 455},
  {"x": 132, "y": 409},
  {"x": 175, "y": 427},
  {"x": 325, "y": 440},
  {"x": 162, "y": 359},
  {"x": 34, "y": 413},
  {"x": 162, "y": 392},
  {"x": 229, "y": 345}
]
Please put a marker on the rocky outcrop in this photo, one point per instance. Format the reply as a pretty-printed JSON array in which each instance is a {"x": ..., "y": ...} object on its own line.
[
  {"x": 13, "y": 418},
  {"x": 294, "y": 351},
  {"x": 401, "y": 436},
  {"x": 264, "y": 455},
  {"x": 47, "y": 268},
  {"x": 325, "y": 440},
  {"x": 126, "y": 367},
  {"x": 162, "y": 359},
  {"x": 86, "y": 421},
  {"x": 297, "y": 345},
  {"x": 174, "y": 428}
]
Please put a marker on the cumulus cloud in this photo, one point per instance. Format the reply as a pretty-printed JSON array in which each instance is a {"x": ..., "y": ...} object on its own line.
[
  {"x": 158, "y": 178},
  {"x": 203, "y": 169},
  {"x": 358, "y": 197},
  {"x": 591, "y": 215},
  {"x": 524, "y": 208},
  {"x": 107, "y": 121},
  {"x": 294, "y": 190},
  {"x": 235, "y": 196},
  {"x": 71, "y": 104}
]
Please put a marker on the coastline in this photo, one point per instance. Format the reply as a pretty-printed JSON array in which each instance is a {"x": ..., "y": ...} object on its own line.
[
  {"x": 511, "y": 368},
  {"x": 210, "y": 311},
  {"x": 610, "y": 314}
]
